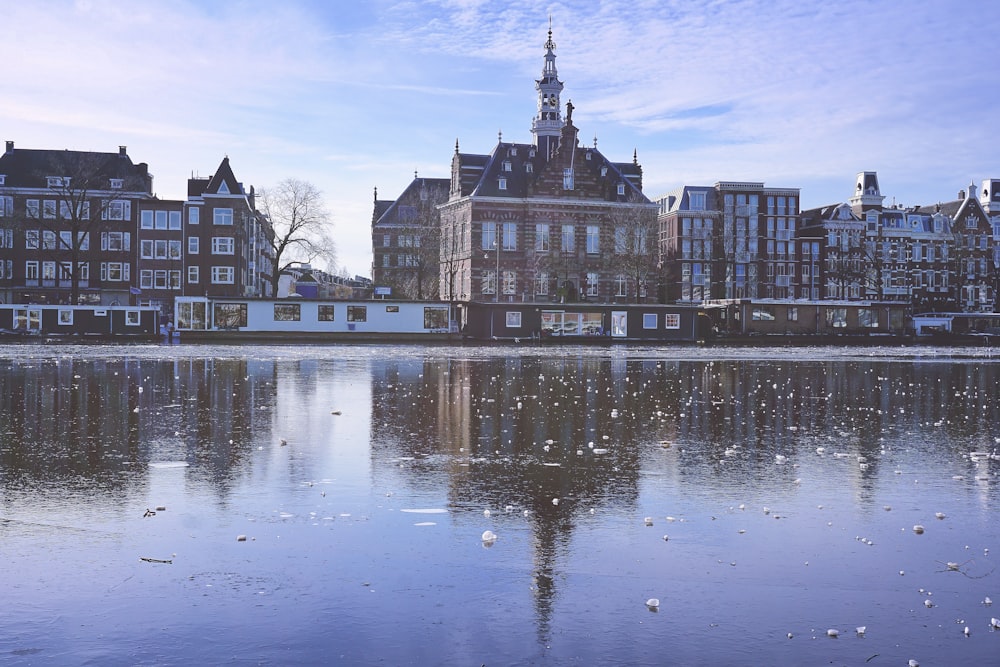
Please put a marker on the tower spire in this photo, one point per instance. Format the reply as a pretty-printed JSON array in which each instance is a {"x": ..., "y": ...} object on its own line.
[{"x": 547, "y": 124}]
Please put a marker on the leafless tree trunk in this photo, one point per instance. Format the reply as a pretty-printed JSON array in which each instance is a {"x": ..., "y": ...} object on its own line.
[{"x": 301, "y": 226}]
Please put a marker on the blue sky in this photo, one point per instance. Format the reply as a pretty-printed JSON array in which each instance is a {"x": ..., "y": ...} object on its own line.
[{"x": 357, "y": 95}]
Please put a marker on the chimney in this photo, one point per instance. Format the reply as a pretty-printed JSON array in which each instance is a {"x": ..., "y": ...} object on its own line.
[
  {"x": 122, "y": 152},
  {"x": 961, "y": 195},
  {"x": 10, "y": 146}
]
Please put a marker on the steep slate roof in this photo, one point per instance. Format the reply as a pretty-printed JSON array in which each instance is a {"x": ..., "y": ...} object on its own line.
[
  {"x": 199, "y": 187},
  {"x": 28, "y": 168},
  {"x": 392, "y": 212},
  {"x": 480, "y": 175}
]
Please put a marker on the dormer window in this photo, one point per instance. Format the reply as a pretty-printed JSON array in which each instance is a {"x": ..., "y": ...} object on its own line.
[
  {"x": 116, "y": 183},
  {"x": 588, "y": 154},
  {"x": 567, "y": 179},
  {"x": 502, "y": 183},
  {"x": 57, "y": 181},
  {"x": 621, "y": 188},
  {"x": 528, "y": 168},
  {"x": 506, "y": 165},
  {"x": 3, "y": 177},
  {"x": 604, "y": 170},
  {"x": 513, "y": 151},
  {"x": 531, "y": 153}
]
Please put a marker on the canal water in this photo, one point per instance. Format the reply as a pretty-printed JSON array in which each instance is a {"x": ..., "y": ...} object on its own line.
[{"x": 644, "y": 506}]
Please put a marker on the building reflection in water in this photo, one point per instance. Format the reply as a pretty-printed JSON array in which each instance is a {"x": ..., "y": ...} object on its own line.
[
  {"x": 518, "y": 432},
  {"x": 510, "y": 434}
]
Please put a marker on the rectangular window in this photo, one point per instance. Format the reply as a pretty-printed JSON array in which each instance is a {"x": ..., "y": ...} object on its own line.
[
  {"x": 160, "y": 279},
  {"x": 867, "y": 318},
  {"x": 621, "y": 285},
  {"x": 510, "y": 282},
  {"x": 593, "y": 239},
  {"x": 489, "y": 284},
  {"x": 592, "y": 284},
  {"x": 161, "y": 249},
  {"x": 31, "y": 239},
  {"x": 48, "y": 270},
  {"x": 223, "y": 275},
  {"x": 48, "y": 240},
  {"x": 31, "y": 270},
  {"x": 357, "y": 313},
  {"x": 541, "y": 237},
  {"x": 542, "y": 283},
  {"x": 325, "y": 312},
  {"x": 222, "y": 245},
  {"x": 568, "y": 179},
  {"x": 513, "y": 319},
  {"x": 230, "y": 315},
  {"x": 510, "y": 236},
  {"x": 792, "y": 314},
  {"x": 568, "y": 238},
  {"x": 392, "y": 309},
  {"x": 65, "y": 316},
  {"x": 697, "y": 201},
  {"x": 763, "y": 314},
  {"x": 223, "y": 216},
  {"x": 193, "y": 245},
  {"x": 175, "y": 220},
  {"x": 174, "y": 279},
  {"x": 489, "y": 235},
  {"x": 194, "y": 215},
  {"x": 502, "y": 183},
  {"x": 146, "y": 249},
  {"x": 65, "y": 240},
  {"x": 146, "y": 219},
  {"x": 435, "y": 317},
  {"x": 146, "y": 279},
  {"x": 649, "y": 320},
  {"x": 193, "y": 275},
  {"x": 287, "y": 312},
  {"x": 49, "y": 209},
  {"x": 161, "y": 219},
  {"x": 671, "y": 321},
  {"x": 173, "y": 249},
  {"x": 836, "y": 318},
  {"x": 117, "y": 209},
  {"x": 621, "y": 241},
  {"x": 31, "y": 208}
]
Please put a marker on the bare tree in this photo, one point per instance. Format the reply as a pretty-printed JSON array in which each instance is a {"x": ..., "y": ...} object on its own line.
[
  {"x": 420, "y": 227},
  {"x": 301, "y": 226},
  {"x": 451, "y": 256},
  {"x": 636, "y": 253}
]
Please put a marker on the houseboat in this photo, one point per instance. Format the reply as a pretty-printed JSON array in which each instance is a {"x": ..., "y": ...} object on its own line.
[
  {"x": 583, "y": 322},
  {"x": 296, "y": 319},
  {"x": 54, "y": 321}
]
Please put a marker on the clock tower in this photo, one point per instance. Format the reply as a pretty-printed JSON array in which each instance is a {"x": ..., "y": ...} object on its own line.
[{"x": 547, "y": 124}]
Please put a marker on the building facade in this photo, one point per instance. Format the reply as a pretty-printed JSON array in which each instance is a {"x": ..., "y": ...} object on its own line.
[
  {"x": 733, "y": 240},
  {"x": 406, "y": 240},
  {"x": 550, "y": 220},
  {"x": 85, "y": 228}
]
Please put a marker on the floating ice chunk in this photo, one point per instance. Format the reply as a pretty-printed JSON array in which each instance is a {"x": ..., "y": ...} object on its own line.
[
  {"x": 928, "y": 603},
  {"x": 555, "y": 501},
  {"x": 913, "y": 663},
  {"x": 939, "y": 515},
  {"x": 648, "y": 520},
  {"x": 432, "y": 510},
  {"x": 987, "y": 602},
  {"x": 995, "y": 623},
  {"x": 861, "y": 630},
  {"x": 241, "y": 538},
  {"x": 918, "y": 529},
  {"x": 967, "y": 631},
  {"x": 833, "y": 632},
  {"x": 654, "y": 603},
  {"x": 489, "y": 537}
]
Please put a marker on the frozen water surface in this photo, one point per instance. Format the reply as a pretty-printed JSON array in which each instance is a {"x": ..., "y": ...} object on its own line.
[{"x": 332, "y": 504}]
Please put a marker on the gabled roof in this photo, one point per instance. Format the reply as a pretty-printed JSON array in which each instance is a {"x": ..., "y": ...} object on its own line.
[
  {"x": 396, "y": 212},
  {"x": 524, "y": 172},
  {"x": 29, "y": 168}
]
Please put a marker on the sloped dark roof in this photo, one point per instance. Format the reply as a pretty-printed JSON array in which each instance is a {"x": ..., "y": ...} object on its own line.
[
  {"x": 224, "y": 175},
  {"x": 521, "y": 167},
  {"x": 394, "y": 212},
  {"x": 29, "y": 168}
]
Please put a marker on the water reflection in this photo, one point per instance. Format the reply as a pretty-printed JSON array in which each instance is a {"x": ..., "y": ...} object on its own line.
[{"x": 567, "y": 453}]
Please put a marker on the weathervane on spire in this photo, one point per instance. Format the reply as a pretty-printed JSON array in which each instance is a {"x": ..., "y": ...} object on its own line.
[{"x": 550, "y": 45}]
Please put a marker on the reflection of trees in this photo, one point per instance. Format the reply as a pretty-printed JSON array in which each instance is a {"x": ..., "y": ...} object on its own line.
[{"x": 86, "y": 421}]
